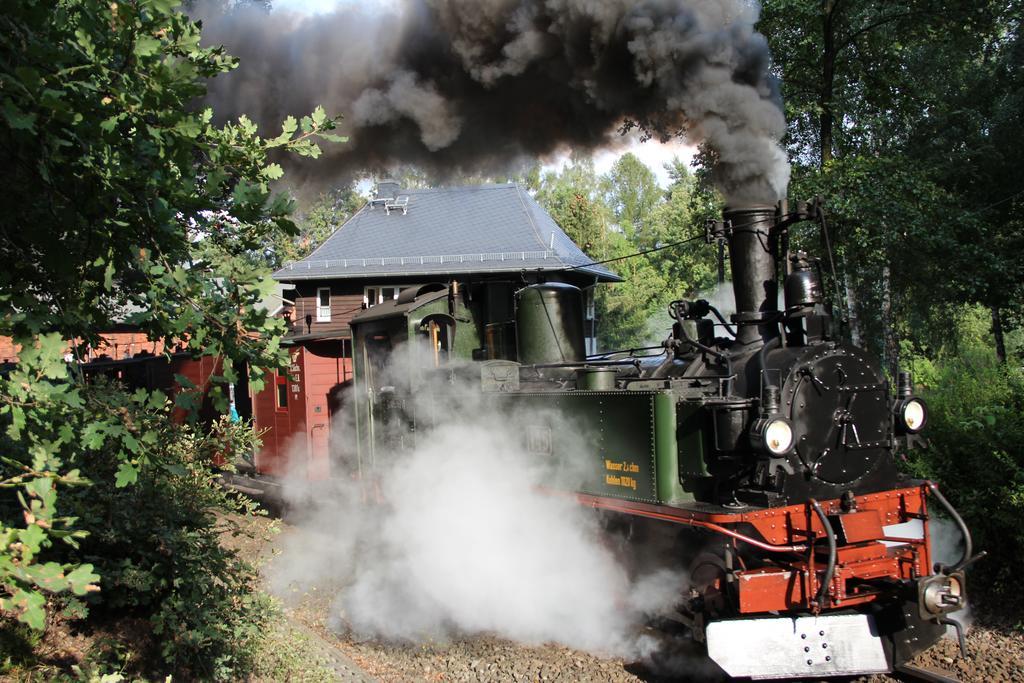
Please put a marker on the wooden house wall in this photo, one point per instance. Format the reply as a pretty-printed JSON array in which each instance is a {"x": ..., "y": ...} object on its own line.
[{"x": 346, "y": 302}]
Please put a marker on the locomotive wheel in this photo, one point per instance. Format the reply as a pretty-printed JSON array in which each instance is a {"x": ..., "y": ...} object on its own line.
[{"x": 710, "y": 585}]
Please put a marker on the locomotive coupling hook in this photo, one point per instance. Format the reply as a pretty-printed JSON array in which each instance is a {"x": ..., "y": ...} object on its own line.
[{"x": 949, "y": 621}]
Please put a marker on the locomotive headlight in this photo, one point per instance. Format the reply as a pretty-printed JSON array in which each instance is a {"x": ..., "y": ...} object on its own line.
[
  {"x": 773, "y": 434},
  {"x": 778, "y": 436},
  {"x": 913, "y": 414}
]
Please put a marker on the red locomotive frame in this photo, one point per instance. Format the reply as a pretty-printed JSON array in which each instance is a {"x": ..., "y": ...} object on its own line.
[{"x": 796, "y": 534}]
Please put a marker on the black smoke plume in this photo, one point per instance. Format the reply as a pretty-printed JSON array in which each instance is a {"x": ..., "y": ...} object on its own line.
[{"x": 477, "y": 86}]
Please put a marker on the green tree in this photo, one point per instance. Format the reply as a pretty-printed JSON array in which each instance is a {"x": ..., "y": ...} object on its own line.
[
  {"x": 573, "y": 199},
  {"x": 853, "y": 82},
  {"x": 577, "y": 199},
  {"x": 853, "y": 72},
  {"x": 971, "y": 139},
  {"x": 976, "y": 416},
  {"x": 690, "y": 268},
  {"x": 896, "y": 226},
  {"x": 120, "y": 196},
  {"x": 625, "y": 309},
  {"x": 632, "y": 194}
]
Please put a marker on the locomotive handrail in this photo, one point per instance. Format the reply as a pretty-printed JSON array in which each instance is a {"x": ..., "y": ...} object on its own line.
[
  {"x": 830, "y": 536},
  {"x": 964, "y": 531},
  {"x": 597, "y": 502}
]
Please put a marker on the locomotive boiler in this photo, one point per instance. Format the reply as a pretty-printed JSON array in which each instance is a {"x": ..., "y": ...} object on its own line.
[{"x": 762, "y": 436}]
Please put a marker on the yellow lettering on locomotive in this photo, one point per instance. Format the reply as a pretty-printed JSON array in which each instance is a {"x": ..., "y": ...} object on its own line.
[
  {"x": 620, "y": 480},
  {"x": 623, "y": 466}
]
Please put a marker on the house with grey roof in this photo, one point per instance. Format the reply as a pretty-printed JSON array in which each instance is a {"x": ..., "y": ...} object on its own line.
[{"x": 491, "y": 238}]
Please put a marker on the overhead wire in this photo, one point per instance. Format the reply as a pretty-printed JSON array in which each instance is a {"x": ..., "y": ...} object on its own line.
[
  {"x": 639, "y": 253},
  {"x": 653, "y": 249}
]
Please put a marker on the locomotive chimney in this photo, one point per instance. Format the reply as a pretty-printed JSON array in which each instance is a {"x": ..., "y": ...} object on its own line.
[{"x": 752, "y": 250}]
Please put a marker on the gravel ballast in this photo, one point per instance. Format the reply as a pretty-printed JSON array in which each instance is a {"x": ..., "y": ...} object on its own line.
[{"x": 997, "y": 652}]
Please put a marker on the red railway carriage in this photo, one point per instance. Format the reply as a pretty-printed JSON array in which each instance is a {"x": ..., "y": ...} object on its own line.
[{"x": 299, "y": 411}]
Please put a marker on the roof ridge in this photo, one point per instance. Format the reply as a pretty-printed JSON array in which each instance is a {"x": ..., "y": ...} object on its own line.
[
  {"x": 533, "y": 224},
  {"x": 450, "y": 188}
]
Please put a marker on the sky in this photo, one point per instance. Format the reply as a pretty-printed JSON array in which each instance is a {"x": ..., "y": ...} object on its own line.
[
  {"x": 321, "y": 6},
  {"x": 652, "y": 153}
]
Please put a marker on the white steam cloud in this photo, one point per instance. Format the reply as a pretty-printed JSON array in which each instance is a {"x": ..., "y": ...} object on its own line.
[
  {"x": 456, "y": 536},
  {"x": 948, "y": 548}
]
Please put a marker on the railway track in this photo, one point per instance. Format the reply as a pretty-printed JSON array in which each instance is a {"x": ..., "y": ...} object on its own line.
[{"x": 921, "y": 674}]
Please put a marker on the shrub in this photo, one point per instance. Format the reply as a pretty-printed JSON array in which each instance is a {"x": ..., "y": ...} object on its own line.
[
  {"x": 156, "y": 545},
  {"x": 148, "y": 522},
  {"x": 976, "y": 432},
  {"x": 123, "y": 203}
]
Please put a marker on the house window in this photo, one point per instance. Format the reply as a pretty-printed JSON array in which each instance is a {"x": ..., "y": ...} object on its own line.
[
  {"x": 379, "y": 294},
  {"x": 323, "y": 304},
  {"x": 281, "y": 392}
]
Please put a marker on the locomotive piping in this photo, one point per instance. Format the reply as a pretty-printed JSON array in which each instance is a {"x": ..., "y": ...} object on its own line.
[
  {"x": 718, "y": 314},
  {"x": 959, "y": 628},
  {"x": 605, "y": 504},
  {"x": 724, "y": 357},
  {"x": 830, "y": 568},
  {"x": 964, "y": 531},
  {"x": 762, "y": 355}
]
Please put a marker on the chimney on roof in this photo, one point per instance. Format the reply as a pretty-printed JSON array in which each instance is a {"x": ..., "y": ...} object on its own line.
[{"x": 387, "y": 189}]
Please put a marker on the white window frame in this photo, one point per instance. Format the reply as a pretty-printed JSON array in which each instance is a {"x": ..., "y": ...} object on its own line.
[
  {"x": 323, "y": 313},
  {"x": 378, "y": 293}
]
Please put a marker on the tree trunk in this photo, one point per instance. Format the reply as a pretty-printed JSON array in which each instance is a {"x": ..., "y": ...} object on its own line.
[
  {"x": 891, "y": 344},
  {"x": 828, "y": 75},
  {"x": 997, "y": 332},
  {"x": 851, "y": 308}
]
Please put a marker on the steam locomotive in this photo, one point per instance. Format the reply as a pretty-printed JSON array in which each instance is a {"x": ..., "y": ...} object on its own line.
[{"x": 764, "y": 437}]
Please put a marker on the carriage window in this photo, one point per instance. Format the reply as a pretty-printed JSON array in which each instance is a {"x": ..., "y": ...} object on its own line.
[
  {"x": 378, "y": 350},
  {"x": 323, "y": 304},
  {"x": 281, "y": 384},
  {"x": 438, "y": 332}
]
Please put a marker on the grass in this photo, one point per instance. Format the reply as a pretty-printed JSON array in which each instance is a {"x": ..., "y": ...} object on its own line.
[
  {"x": 289, "y": 654},
  {"x": 284, "y": 653}
]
